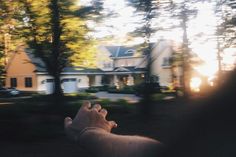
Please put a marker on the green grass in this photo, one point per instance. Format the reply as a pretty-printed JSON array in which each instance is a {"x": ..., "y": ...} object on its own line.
[
  {"x": 158, "y": 97},
  {"x": 41, "y": 117}
]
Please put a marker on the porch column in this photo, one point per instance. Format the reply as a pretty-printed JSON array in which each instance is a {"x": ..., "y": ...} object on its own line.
[
  {"x": 130, "y": 81},
  {"x": 84, "y": 81},
  {"x": 98, "y": 80},
  {"x": 115, "y": 80}
]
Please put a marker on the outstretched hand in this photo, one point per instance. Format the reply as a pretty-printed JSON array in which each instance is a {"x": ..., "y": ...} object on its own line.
[{"x": 86, "y": 117}]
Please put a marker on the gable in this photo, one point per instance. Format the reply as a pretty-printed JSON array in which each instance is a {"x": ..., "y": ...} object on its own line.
[
  {"x": 20, "y": 64},
  {"x": 121, "y": 51},
  {"x": 121, "y": 69}
]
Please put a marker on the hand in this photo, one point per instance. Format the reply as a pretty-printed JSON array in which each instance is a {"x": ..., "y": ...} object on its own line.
[{"x": 88, "y": 117}]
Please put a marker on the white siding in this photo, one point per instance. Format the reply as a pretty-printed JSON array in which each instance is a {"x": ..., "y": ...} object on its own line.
[{"x": 160, "y": 52}]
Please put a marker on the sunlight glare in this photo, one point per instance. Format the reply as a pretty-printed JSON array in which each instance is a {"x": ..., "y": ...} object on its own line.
[
  {"x": 208, "y": 69},
  {"x": 195, "y": 84}
]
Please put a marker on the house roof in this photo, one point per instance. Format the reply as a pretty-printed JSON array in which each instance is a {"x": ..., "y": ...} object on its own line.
[
  {"x": 82, "y": 70},
  {"x": 121, "y": 51},
  {"x": 129, "y": 69},
  {"x": 38, "y": 62},
  {"x": 116, "y": 51}
]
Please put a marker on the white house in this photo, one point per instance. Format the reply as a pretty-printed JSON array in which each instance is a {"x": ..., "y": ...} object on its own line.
[
  {"x": 116, "y": 66},
  {"x": 122, "y": 65},
  {"x": 162, "y": 67}
]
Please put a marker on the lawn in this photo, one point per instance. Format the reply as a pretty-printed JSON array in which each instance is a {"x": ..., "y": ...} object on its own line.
[{"x": 34, "y": 126}]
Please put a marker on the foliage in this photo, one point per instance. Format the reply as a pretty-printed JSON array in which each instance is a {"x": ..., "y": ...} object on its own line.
[
  {"x": 54, "y": 29},
  {"x": 36, "y": 28},
  {"x": 124, "y": 90},
  {"x": 92, "y": 90},
  {"x": 7, "y": 34},
  {"x": 158, "y": 97},
  {"x": 226, "y": 23}
]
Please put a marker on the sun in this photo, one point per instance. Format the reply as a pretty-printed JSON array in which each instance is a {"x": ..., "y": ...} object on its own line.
[{"x": 195, "y": 84}]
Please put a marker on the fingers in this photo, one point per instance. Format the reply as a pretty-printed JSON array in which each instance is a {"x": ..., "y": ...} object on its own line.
[
  {"x": 113, "y": 124},
  {"x": 103, "y": 112},
  {"x": 86, "y": 105},
  {"x": 97, "y": 107},
  {"x": 67, "y": 122}
]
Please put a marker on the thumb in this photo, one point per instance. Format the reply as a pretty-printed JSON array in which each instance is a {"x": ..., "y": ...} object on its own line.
[{"x": 67, "y": 122}]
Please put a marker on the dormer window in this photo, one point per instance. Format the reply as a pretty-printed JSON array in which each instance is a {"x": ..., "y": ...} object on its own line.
[{"x": 129, "y": 51}]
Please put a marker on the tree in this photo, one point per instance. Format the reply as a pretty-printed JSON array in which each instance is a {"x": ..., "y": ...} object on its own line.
[
  {"x": 7, "y": 35},
  {"x": 171, "y": 15},
  {"x": 225, "y": 33},
  {"x": 56, "y": 33},
  {"x": 147, "y": 9}
]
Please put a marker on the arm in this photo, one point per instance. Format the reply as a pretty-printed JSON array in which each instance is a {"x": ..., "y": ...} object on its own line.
[
  {"x": 93, "y": 133},
  {"x": 108, "y": 145}
]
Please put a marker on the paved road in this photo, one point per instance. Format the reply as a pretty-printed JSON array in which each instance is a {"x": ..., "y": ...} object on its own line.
[{"x": 113, "y": 97}]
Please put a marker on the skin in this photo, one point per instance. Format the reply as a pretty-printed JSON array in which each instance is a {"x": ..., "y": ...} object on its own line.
[{"x": 93, "y": 132}]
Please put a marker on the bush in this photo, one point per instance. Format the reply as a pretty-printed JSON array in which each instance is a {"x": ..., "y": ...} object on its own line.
[
  {"x": 147, "y": 88},
  {"x": 128, "y": 90},
  {"x": 112, "y": 89},
  {"x": 103, "y": 88},
  {"x": 125, "y": 90},
  {"x": 92, "y": 90}
]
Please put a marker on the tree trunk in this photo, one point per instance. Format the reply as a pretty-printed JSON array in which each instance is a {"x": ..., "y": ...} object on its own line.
[
  {"x": 57, "y": 86},
  {"x": 56, "y": 46},
  {"x": 186, "y": 65}
]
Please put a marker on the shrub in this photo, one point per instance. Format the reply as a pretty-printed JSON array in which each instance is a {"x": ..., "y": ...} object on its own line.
[
  {"x": 92, "y": 90},
  {"x": 125, "y": 90},
  {"x": 112, "y": 89},
  {"x": 128, "y": 90},
  {"x": 103, "y": 88}
]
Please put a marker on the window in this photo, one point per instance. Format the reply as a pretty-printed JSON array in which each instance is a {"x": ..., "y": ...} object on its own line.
[
  {"x": 166, "y": 61},
  {"x": 28, "y": 82},
  {"x": 107, "y": 65},
  {"x": 129, "y": 51},
  {"x": 13, "y": 82}
]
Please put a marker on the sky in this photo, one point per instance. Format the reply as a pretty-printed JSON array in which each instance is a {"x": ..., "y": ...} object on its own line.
[
  {"x": 118, "y": 26},
  {"x": 205, "y": 24}
]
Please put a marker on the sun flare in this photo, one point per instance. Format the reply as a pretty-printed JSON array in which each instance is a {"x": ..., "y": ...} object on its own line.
[
  {"x": 195, "y": 84},
  {"x": 200, "y": 31}
]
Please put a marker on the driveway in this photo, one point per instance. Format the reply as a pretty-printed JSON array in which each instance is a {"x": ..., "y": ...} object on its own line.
[{"x": 114, "y": 96}]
